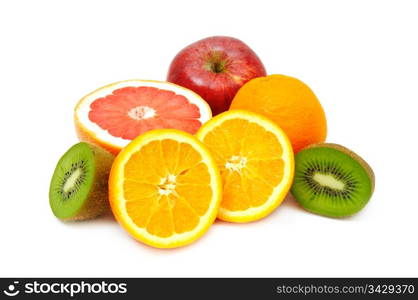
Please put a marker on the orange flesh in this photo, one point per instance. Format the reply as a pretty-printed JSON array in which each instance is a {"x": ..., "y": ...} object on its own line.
[
  {"x": 250, "y": 161},
  {"x": 166, "y": 187}
]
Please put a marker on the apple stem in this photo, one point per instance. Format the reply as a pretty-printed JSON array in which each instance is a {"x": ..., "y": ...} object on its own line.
[
  {"x": 218, "y": 67},
  {"x": 216, "y": 63}
]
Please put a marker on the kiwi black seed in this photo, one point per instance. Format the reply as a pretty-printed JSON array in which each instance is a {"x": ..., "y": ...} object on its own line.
[
  {"x": 78, "y": 188},
  {"x": 332, "y": 180}
]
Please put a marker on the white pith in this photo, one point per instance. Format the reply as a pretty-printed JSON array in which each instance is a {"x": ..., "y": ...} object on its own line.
[
  {"x": 167, "y": 185},
  {"x": 141, "y": 113},
  {"x": 328, "y": 180},
  {"x": 236, "y": 163},
  {"x": 83, "y": 108}
]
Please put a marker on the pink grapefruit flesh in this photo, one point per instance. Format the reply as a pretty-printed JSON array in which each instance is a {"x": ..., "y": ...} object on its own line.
[
  {"x": 131, "y": 111},
  {"x": 114, "y": 115}
]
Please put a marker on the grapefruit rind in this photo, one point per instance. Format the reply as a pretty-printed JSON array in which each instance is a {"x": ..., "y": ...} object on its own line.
[
  {"x": 117, "y": 200},
  {"x": 89, "y": 131},
  {"x": 280, "y": 191}
]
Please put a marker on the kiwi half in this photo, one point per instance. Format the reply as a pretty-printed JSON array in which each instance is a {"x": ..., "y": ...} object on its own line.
[
  {"x": 332, "y": 180},
  {"x": 78, "y": 188}
]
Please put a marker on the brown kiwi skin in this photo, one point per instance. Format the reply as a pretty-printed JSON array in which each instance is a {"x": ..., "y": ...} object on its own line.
[
  {"x": 98, "y": 202},
  {"x": 347, "y": 151}
]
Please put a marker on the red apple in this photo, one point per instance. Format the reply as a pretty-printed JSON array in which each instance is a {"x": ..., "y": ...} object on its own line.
[{"x": 215, "y": 68}]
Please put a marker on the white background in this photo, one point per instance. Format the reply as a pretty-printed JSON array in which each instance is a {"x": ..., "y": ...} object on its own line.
[{"x": 359, "y": 57}]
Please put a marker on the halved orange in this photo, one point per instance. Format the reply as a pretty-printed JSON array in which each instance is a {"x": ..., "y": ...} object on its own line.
[
  {"x": 165, "y": 188},
  {"x": 256, "y": 161},
  {"x": 115, "y": 114}
]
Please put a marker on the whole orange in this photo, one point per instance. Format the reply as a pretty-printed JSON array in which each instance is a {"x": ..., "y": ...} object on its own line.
[{"x": 290, "y": 103}]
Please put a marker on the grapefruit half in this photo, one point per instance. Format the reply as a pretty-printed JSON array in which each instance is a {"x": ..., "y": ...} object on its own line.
[{"x": 115, "y": 114}]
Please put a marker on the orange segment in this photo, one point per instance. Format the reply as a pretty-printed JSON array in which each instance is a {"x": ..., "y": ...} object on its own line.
[
  {"x": 152, "y": 153},
  {"x": 165, "y": 188},
  {"x": 139, "y": 169},
  {"x": 161, "y": 221},
  {"x": 196, "y": 175},
  {"x": 198, "y": 197},
  {"x": 260, "y": 143},
  {"x": 217, "y": 142},
  {"x": 232, "y": 133},
  {"x": 184, "y": 216},
  {"x": 235, "y": 196},
  {"x": 170, "y": 151},
  {"x": 141, "y": 211},
  {"x": 270, "y": 170},
  {"x": 256, "y": 162},
  {"x": 188, "y": 158},
  {"x": 135, "y": 191}
]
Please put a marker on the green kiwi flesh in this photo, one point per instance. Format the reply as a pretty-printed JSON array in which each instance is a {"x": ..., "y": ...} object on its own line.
[
  {"x": 78, "y": 188},
  {"x": 332, "y": 180}
]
